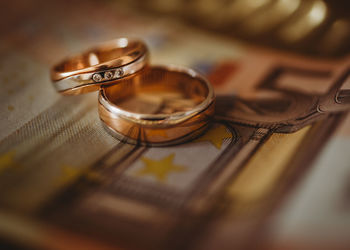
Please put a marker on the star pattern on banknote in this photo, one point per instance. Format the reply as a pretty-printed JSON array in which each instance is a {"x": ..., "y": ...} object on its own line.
[
  {"x": 69, "y": 174},
  {"x": 160, "y": 169},
  {"x": 7, "y": 160},
  {"x": 216, "y": 136}
]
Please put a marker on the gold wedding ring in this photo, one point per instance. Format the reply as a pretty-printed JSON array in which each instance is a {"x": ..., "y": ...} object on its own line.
[
  {"x": 139, "y": 104},
  {"x": 102, "y": 65},
  {"x": 159, "y": 106}
]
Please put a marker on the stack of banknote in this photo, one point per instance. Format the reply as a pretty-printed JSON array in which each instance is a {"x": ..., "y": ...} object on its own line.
[{"x": 271, "y": 172}]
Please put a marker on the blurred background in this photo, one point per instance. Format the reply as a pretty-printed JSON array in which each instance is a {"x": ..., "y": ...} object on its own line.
[{"x": 319, "y": 28}]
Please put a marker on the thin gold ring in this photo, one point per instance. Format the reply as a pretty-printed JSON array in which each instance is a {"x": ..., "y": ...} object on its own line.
[
  {"x": 102, "y": 65},
  {"x": 160, "y": 105}
]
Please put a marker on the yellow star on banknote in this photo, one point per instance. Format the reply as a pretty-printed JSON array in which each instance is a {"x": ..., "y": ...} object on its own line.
[
  {"x": 160, "y": 169},
  {"x": 94, "y": 176},
  {"x": 7, "y": 160},
  {"x": 69, "y": 174},
  {"x": 216, "y": 136}
]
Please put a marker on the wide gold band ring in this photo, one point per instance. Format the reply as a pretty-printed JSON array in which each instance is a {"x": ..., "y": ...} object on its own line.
[
  {"x": 102, "y": 65},
  {"x": 158, "y": 106}
]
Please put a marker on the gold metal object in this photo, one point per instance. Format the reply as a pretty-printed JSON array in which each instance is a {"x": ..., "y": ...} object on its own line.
[
  {"x": 158, "y": 106},
  {"x": 139, "y": 104},
  {"x": 102, "y": 65}
]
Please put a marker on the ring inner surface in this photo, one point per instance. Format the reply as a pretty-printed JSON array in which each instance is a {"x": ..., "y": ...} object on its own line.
[
  {"x": 158, "y": 91},
  {"x": 125, "y": 53}
]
